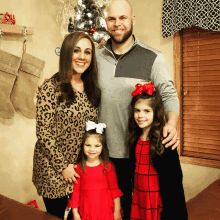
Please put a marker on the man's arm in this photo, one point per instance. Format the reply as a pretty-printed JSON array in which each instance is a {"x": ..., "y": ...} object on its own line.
[
  {"x": 172, "y": 118},
  {"x": 162, "y": 80}
]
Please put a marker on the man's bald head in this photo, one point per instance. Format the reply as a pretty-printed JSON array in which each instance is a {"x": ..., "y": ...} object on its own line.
[{"x": 121, "y": 4}]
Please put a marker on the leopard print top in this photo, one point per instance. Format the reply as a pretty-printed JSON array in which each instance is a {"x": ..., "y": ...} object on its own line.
[{"x": 59, "y": 132}]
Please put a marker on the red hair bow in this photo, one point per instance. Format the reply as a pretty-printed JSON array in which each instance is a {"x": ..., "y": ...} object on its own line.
[{"x": 147, "y": 88}]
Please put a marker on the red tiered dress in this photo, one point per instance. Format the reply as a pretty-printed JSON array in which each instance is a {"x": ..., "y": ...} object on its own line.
[
  {"x": 94, "y": 193},
  {"x": 146, "y": 202}
]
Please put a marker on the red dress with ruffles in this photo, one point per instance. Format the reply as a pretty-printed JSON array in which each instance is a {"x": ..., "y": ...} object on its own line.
[
  {"x": 146, "y": 202},
  {"x": 94, "y": 193}
]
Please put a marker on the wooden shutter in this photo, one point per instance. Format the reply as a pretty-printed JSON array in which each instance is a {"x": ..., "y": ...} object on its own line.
[{"x": 200, "y": 98}]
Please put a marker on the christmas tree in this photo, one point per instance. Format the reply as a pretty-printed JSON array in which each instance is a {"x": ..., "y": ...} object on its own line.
[{"x": 90, "y": 18}]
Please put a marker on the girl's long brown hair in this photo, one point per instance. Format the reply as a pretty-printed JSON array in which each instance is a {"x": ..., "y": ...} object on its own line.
[
  {"x": 89, "y": 77},
  {"x": 156, "y": 131},
  {"x": 104, "y": 156}
]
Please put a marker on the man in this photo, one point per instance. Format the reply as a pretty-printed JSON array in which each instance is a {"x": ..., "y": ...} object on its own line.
[{"x": 122, "y": 63}]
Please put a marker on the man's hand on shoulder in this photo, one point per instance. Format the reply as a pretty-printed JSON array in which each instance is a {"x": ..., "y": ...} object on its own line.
[
  {"x": 169, "y": 131},
  {"x": 171, "y": 137}
]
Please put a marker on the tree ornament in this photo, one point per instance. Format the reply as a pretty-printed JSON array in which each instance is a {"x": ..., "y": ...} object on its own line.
[
  {"x": 81, "y": 26},
  {"x": 78, "y": 17},
  {"x": 89, "y": 15},
  {"x": 92, "y": 30},
  {"x": 102, "y": 22},
  {"x": 71, "y": 26}
]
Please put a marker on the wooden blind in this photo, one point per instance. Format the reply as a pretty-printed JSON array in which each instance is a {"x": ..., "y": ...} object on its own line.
[{"x": 200, "y": 94}]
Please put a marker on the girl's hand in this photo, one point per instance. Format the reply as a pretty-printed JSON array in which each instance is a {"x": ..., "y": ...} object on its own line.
[
  {"x": 117, "y": 215},
  {"x": 70, "y": 174}
]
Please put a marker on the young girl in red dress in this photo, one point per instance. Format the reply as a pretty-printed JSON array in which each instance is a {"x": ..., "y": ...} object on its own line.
[
  {"x": 96, "y": 195},
  {"x": 157, "y": 176}
]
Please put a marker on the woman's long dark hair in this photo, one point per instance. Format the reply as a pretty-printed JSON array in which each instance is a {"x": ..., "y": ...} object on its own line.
[
  {"x": 89, "y": 77},
  {"x": 104, "y": 156},
  {"x": 156, "y": 131}
]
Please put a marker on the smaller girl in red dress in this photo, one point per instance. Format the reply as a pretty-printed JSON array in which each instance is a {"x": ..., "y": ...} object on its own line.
[
  {"x": 157, "y": 176},
  {"x": 96, "y": 195}
]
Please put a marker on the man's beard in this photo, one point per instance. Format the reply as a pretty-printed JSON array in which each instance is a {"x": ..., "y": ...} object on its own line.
[{"x": 125, "y": 37}]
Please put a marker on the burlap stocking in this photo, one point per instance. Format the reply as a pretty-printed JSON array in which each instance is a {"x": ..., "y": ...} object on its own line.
[
  {"x": 8, "y": 71},
  {"x": 25, "y": 86}
]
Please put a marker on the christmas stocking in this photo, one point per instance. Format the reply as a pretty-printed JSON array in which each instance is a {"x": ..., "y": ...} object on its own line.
[
  {"x": 9, "y": 65},
  {"x": 23, "y": 93}
]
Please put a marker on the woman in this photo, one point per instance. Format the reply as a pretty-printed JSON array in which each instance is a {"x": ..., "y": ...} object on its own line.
[{"x": 65, "y": 102}]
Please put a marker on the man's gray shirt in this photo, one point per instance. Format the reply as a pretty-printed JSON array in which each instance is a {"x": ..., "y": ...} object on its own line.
[{"x": 117, "y": 80}]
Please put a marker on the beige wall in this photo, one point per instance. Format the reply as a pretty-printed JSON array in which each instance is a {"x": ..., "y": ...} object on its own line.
[{"x": 17, "y": 136}]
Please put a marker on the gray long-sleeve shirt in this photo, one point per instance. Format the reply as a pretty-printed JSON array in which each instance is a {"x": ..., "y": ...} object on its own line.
[{"x": 117, "y": 80}]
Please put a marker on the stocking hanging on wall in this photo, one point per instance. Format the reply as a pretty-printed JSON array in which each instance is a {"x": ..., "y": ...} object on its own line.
[
  {"x": 25, "y": 86},
  {"x": 9, "y": 65}
]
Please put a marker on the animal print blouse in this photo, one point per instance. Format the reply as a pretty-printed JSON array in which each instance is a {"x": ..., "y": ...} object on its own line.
[{"x": 59, "y": 132}]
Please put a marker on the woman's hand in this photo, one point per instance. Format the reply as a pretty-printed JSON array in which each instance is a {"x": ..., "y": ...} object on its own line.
[
  {"x": 70, "y": 174},
  {"x": 76, "y": 215},
  {"x": 117, "y": 215}
]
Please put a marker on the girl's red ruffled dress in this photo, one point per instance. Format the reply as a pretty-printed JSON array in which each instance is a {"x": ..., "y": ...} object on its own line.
[
  {"x": 146, "y": 202},
  {"x": 94, "y": 193}
]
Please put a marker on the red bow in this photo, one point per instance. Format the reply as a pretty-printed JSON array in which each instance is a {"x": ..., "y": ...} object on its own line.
[{"x": 147, "y": 88}]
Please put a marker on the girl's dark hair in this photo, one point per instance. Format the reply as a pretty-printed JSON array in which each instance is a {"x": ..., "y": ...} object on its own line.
[
  {"x": 104, "y": 156},
  {"x": 89, "y": 77},
  {"x": 156, "y": 131}
]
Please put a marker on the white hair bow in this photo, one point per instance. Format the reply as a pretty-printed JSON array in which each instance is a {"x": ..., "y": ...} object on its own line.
[{"x": 92, "y": 125}]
